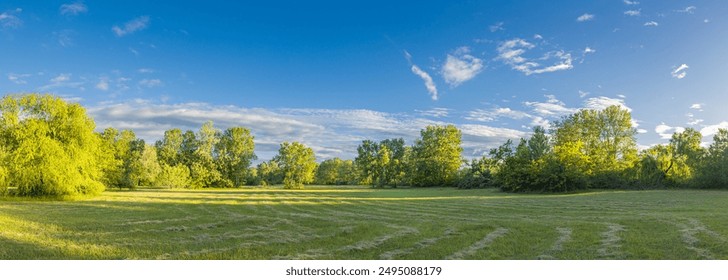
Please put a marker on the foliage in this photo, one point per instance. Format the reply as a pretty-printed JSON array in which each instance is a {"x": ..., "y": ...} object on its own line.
[
  {"x": 336, "y": 172},
  {"x": 382, "y": 163},
  {"x": 49, "y": 147},
  {"x": 269, "y": 173},
  {"x": 234, "y": 153},
  {"x": 297, "y": 163},
  {"x": 173, "y": 176},
  {"x": 436, "y": 157},
  {"x": 477, "y": 175}
]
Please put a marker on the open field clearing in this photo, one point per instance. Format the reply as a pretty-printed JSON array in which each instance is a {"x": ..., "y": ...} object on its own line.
[{"x": 363, "y": 223}]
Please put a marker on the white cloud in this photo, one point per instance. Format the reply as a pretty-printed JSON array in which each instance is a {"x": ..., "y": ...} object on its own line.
[
  {"x": 695, "y": 121},
  {"x": 511, "y": 52},
  {"x": 552, "y": 107},
  {"x": 697, "y": 106},
  {"x": 583, "y": 94},
  {"x": 73, "y": 9},
  {"x": 429, "y": 84},
  {"x": 461, "y": 67},
  {"x": 494, "y": 114},
  {"x": 585, "y": 17},
  {"x": 496, "y": 27},
  {"x": 680, "y": 72},
  {"x": 150, "y": 83},
  {"x": 145, "y": 70},
  {"x": 537, "y": 37},
  {"x": 651, "y": 23},
  {"x": 434, "y": 112},
  {"x": 18, "y": 79},
  {"x": 631, "y": 2},
  {"x": 61, "y": 78},
  {"x": 331, "y": 133},
  {"x": 131, "y": 26},
  {"x": 602, "y": 102},
  {"x": 710, "y": 130},
  {"x": 64, "y": 37},
  {"x": 10, "y": 20},
  {"x": 103, "y": 84},
  {"x": 633, "y": 13},
  {"x": 666, "y": 131},
  {"x": 688, "y": 10},
  {"x": 589, "y": 50}
]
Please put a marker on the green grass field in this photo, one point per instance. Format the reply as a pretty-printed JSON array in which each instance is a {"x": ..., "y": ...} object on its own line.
[{"x": 363, "y": 223}]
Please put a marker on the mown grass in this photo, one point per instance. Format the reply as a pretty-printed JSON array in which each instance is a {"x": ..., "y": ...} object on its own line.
[{"x": 364, "y": 223}]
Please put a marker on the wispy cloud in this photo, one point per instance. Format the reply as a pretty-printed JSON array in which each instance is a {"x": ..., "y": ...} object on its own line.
[
  {"x": 680, "y": 72},
  {"x": 633, "y": 13},
  {"x": 460, "y": 67},
  {"x": 697, "y": 106},
  {"x": 495, "y": 114},
  {"x": 73, "y": 9},
  {"x": 651, "y": 23},
  {"x": 631, "y": 2},
  {"x": 61, "y": 81},
  {"x": 496, "y": 27},
  {"x": 61, "y": 78},
  {"x": 583, "y": 94},
  {"x": 585, "y": 17},
  {"x": 434, "y": 112},
  {"x": 688, "y": 10},
  {"x": 18, "y": 79},
  {"x": 10, "y": 19},
  {"x": 131, "y": 26},
  {"x": 64, "y": 37},
  {"x": 145, "y": 70},
  {"x": 511, "y": 52},
  {"x": 103, "y": 84},
  {"x": 429, "y": 83},
  {"x": 150, "y": 83},
  {"x": 589, "y": 50},
  {"x": 552, "y": 107}
]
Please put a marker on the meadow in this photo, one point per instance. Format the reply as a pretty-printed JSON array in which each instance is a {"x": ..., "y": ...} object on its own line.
[{"x": 365, "y": 223}]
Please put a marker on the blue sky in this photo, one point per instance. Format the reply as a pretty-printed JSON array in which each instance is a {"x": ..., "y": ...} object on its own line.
[{"x": 332, "y": 73}]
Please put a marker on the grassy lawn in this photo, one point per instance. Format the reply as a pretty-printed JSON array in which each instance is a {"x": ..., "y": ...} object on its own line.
[{"x": 363, "y": 223}]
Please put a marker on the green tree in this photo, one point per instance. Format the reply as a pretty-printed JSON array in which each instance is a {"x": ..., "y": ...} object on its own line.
[
  {"x": 713, "y": 172},
  {"x": 150, "y": 168},
  {"x": 436, "y": 156},
  {"x": 538, "y": 144},
  {"x": 170, "y": 147},
  {"x": 297, "y": 163},
  {"x": 269, "y": 173},
  {"x": 49, "y": 147},
  {"x": 234, "y": 154},
  {"x": 366, "y": 160},
  {"x": 607, "y": 140}
]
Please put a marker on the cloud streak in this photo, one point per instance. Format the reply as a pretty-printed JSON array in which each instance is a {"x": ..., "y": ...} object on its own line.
[
  {"x": 585, "y": 17},
  {"x": 10, "y": 20},
  {"x": 680, "y": 72},
  {"x": 73, "y": 9},
  {"x": 131, "y": 26}
]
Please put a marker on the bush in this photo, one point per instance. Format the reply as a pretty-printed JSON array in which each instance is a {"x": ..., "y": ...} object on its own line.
[{"x": 177, "y": 176}]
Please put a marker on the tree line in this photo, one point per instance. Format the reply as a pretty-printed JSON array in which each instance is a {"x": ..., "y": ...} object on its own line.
[{"x": 48, "y": 147}]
